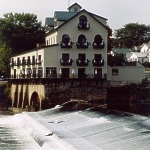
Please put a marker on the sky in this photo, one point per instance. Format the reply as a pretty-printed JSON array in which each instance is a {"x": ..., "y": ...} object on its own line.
[{"x": 118, "y": 12}]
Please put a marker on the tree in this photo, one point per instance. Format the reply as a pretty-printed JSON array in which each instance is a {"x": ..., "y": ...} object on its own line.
[
  {"x": 21, "y": 32},
  {"x": 132, "y": 34},
  {"x": 5, "y": 54},
  {"x": 116, "y": 59}
]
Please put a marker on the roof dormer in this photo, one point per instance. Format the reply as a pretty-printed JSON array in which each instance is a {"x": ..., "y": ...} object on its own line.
[{"x": 74, "y": 8}]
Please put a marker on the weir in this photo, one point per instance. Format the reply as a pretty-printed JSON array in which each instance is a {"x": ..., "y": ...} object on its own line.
[{"x": 57, "y": 129}]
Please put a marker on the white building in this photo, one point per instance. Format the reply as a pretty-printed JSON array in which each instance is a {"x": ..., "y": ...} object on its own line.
[{"x": 76, "y": 47}]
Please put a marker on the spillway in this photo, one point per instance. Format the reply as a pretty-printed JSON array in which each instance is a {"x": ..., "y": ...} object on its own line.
[{"x": 57, "y": 129}]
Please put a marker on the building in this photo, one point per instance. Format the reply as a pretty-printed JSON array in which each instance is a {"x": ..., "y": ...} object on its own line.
[
  {"x": 128, "y": 71},
  {"x": 76, "y": 47}
]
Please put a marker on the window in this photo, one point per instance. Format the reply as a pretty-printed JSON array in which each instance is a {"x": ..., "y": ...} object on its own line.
[
  {"x": 81, "y": 57},
  {"x": 33, "y": 60},
  {"x": 18, "y": 61},
  {"x": 98, "y": 56},
  {"x": 98, "y": 73},
  {"x": 75, "y": 9},
  {"x": 34, "y": 73},
  {"x": 81, "y": 73},
  {"x": 66, "y": 42},
  {"x": 83, "y": 23},
  {"x": 98, "y": 60},
  {"x": 29, "y": 72},
  {"x": 98, "y": 42},
  {"x": 28, "y": 60},
  {"x": 40, "y": 72},
  {"x": 39, "y": 60},
  {"x": 51, "y": 72},
  {"x": 65, "y": 60},
  {"x": 23, "y": 61},
  {"x": 65, "y": 56},
  {"x": 82, "y": 42},
  {"x": 65, "y": 72},
  {"x": 82, "y": 61},
  {"x": 115, "y": 72},
  {"x": 39, "y": 57}
]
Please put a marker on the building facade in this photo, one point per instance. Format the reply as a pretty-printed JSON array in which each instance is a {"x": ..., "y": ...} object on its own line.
[{"x": 75, "y": 47}]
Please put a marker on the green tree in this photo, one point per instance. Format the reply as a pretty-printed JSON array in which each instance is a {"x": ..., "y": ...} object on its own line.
[
  {"x": 132, "y": 34},
  {"x": 21, "y": 32},
  {"x": 5, "y": 54}
]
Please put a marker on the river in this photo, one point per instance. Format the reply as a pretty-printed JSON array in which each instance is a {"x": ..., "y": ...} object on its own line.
[
  {"x": 13, "y": 136},
  {"x": 56, "y": 129}
]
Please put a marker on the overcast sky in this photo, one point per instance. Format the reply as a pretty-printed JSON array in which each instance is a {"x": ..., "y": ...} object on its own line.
[{"x": 118, "y": 12}]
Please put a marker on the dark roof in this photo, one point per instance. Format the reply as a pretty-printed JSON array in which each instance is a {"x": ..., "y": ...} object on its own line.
[
  {"x": 49, "y": 22},
  {"x": 121, "y": 50},
  {"x": 64, "y": 15}
]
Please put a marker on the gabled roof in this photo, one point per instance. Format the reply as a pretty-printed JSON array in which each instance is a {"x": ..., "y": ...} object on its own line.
[
  {"x": 74, "y": 5},
  {"x": 64, "y": 15},
  {"x": 49, "y": 22},
  {"x": 71, "y": 15}
]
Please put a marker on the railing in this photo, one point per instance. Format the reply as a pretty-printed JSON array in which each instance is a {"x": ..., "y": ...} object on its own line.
[
  {"x": 66, "y": 44},
  {"x": 99, "y": 62},
  {"x": 98, "y": 45},
  {"x": 64, "y": 62},
  {"x": 82, "y": 62},
  {"x": 82, "y": 44},
  {"x": 85, "y": 26}
]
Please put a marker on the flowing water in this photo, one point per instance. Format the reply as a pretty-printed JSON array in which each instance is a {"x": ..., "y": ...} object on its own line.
[
  {"x": 13, "y": 136},
  {"x": 55, "y": 129}
]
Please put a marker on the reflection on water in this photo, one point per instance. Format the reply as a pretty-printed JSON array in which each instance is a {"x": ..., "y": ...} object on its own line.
[{"x": 14, "y": 137}]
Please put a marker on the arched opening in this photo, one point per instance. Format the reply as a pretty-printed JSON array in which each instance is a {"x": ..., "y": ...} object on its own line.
[
  {"x": 83, "y": 23},
  {"x": 35, "y": 101},
  {"x": 82, "y": 42},
  {"x": 66, "y": 42},
  {"x": 98, "y": 42},
  {"x": 65, "y": 38}
]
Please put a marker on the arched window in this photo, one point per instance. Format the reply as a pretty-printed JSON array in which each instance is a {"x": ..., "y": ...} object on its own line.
[
  {"x": 98, "y": 42},
  {"x": 83, "y": 23},
  {"x": 82, "y": 42},
  {"x": 66, "y": 42}
]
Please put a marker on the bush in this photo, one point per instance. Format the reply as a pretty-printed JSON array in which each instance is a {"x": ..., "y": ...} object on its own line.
[{"x": 5, "y": 100}]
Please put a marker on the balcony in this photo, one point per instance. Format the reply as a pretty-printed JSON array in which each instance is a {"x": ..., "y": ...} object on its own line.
[
  {"x": 98, "y": 62},
  {"x": 83, "y": 26},
  {"x": 33, "y": 62},
  {"x": 28, "y": 62},
  {"x": 64, "y": 62},
  {"x": 23, "y": 62},
  {"x": 98, "y": 42},
  {"x": 82, "y": 62},
  {"x": 66, "y": 44},
  {"x": 39, "y": 62},
  {"x": 82, "y": 44},
  {"x": 18, "y": 63},
  {"x": 98, "y": 45}
]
